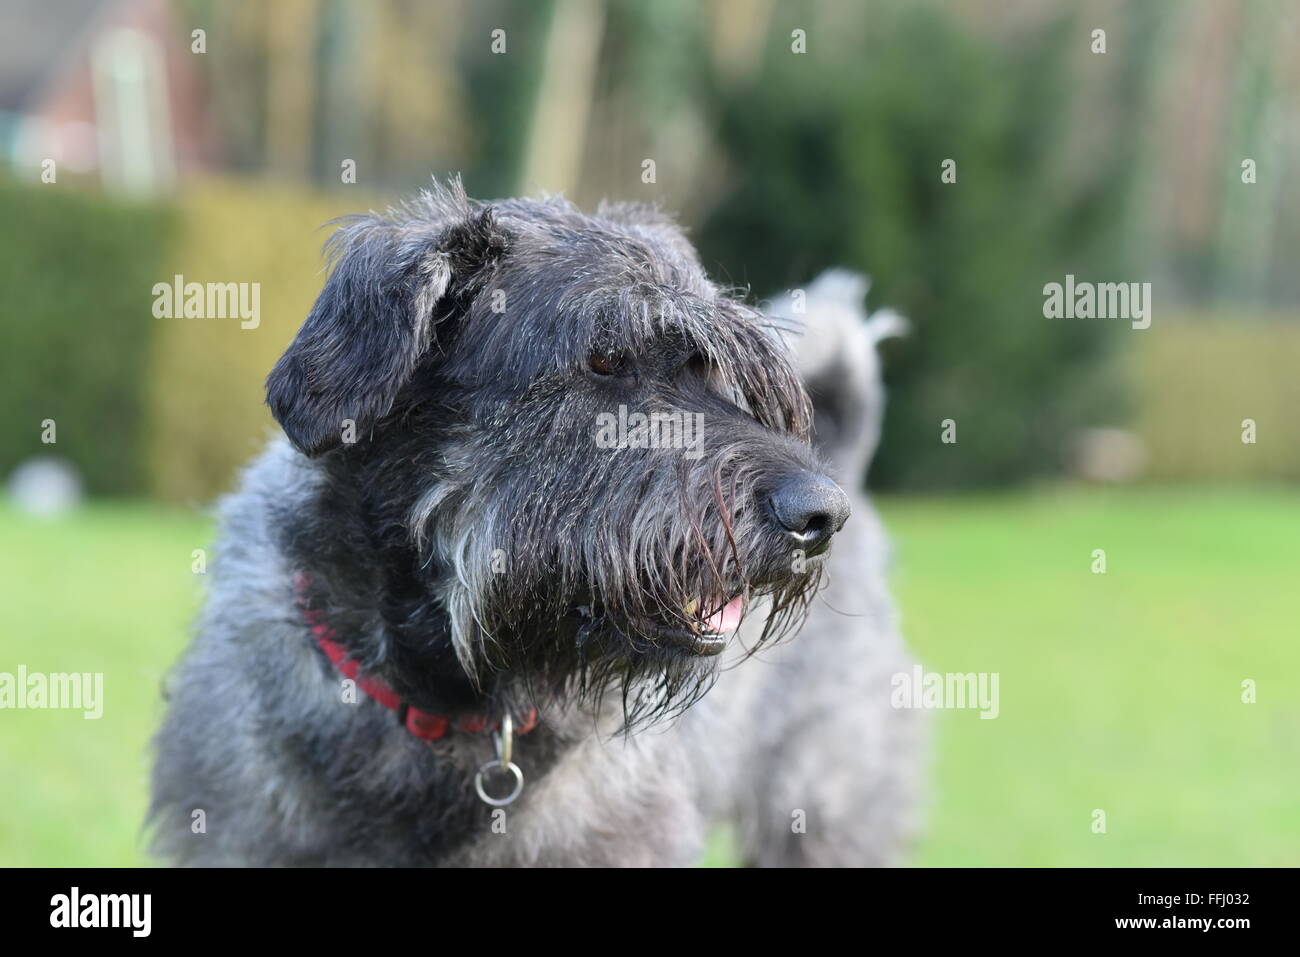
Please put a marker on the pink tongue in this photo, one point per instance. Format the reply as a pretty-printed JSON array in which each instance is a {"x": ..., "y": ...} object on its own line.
[{"x": 727, "y": 618}]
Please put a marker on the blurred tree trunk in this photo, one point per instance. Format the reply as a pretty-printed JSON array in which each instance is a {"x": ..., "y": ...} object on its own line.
[
  {"x": 559, "y": 123},
  {"x": 739, "y": 31},
  {"x": 412, "y": 123},
  {"x": 1249, "y": 212},
  {"x": 291, "y": 44},
  {"x": 236, "y": 80},
  {"x": 343, "y": 103}
]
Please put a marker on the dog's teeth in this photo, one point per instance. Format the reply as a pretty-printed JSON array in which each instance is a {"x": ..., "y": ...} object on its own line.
[{"x": 691, "y": 607}]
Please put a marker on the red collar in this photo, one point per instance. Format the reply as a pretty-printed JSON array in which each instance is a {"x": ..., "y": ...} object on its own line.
[{"x": 422, "y": 724}]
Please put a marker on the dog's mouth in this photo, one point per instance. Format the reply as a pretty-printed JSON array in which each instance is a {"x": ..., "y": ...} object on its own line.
[
  {"x": 708, "y": 626},
  {"x": 702, "y": 629}
]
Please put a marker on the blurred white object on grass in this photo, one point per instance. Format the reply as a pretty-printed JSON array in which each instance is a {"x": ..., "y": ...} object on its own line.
[
  {"x": 1109, "y": 455},
  {"x": 45, "y": 486}
]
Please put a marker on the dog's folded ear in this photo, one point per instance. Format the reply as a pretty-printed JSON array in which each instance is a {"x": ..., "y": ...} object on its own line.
[{"x": 373, "y": 321}]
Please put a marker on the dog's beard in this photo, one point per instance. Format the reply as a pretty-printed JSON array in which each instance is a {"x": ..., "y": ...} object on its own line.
[
  {"x": 570, "y": 650},
  {"x": 634, "y": 611},
  {"x": 658, "y": 660}
]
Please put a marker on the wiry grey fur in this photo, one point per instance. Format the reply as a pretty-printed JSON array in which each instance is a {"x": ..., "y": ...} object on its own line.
[{"x": 476, "y": 550}]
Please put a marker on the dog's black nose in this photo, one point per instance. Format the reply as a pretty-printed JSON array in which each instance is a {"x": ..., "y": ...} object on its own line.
[{"x": 811, "y": 508}]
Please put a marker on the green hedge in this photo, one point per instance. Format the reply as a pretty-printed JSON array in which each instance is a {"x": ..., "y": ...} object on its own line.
[
  {"x": 1195, "y": 378},
  {"x": 77, "y": 270},
  {"x": 842, "y": 167},
  {"x": 168, "y": 406},
  {"x": 207, "y": 414}
]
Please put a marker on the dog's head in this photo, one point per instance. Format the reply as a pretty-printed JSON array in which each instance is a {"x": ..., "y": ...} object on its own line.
[{"x": 587, "y": 456}]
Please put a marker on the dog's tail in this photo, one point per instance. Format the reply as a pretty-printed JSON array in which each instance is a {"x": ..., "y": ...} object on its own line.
[{"x": 834, "y": 340}]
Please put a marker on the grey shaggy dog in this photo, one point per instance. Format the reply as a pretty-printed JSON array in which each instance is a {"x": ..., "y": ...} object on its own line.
[{"x": 444, "y": 521}]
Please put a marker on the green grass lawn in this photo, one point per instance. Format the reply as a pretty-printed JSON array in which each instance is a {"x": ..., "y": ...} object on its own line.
[
  {"x": 1119, "y": 692},
  {"x": 109, "y": 590}
]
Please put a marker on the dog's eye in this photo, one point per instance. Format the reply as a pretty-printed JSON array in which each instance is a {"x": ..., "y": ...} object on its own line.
[
  {"x": 698, "y": 366},
  {"x": 609, "y": 364}
]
